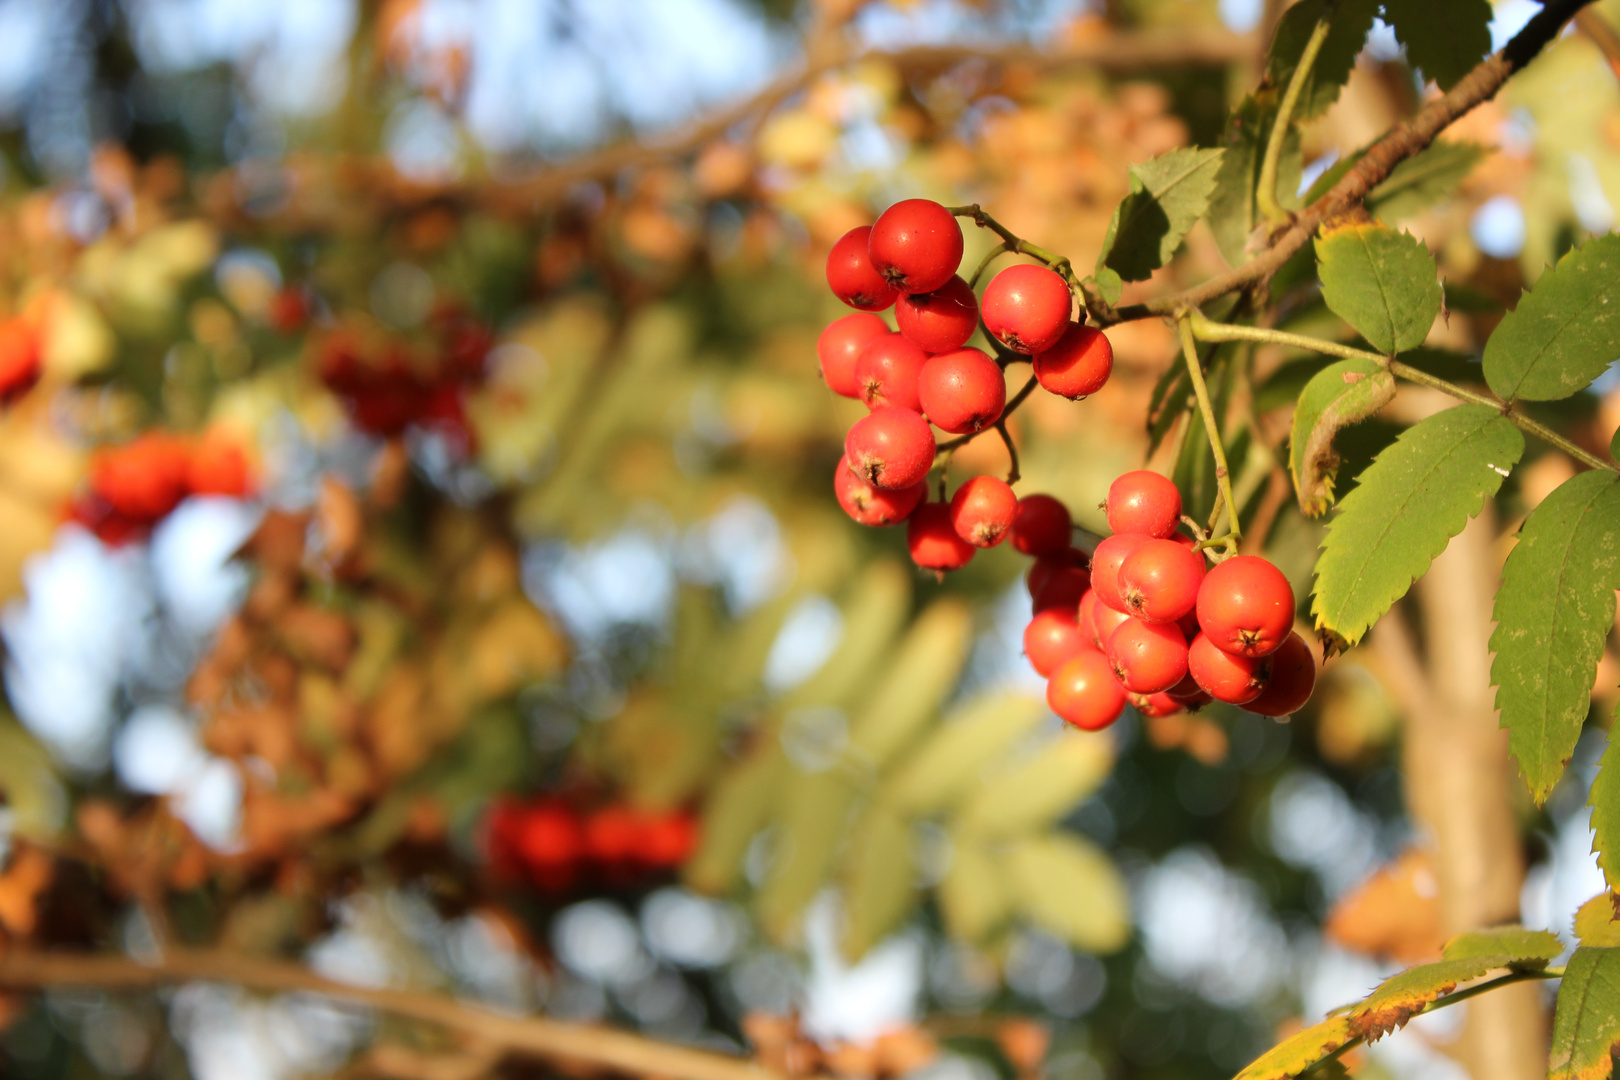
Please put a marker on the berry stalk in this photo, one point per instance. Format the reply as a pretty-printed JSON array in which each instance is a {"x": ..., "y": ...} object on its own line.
[{"x": 1223, "y": 477}]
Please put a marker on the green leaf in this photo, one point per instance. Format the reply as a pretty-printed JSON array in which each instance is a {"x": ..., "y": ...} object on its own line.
[
  {"x": 1564, "y": 332},
  {"x": 916, "y": 678},
  {"x": 1586, "y": 1024},
  {"x": 1351, "y": 22},
  {"x": 1300, "y": 1051},
  {"x": 815, "y": 819},
  {"x": 974, "y": 735},
  {"x": 1233, "y": 215},
  {"x": 1109, "y": 284},
  {"x": 1169, "y": 400},
  {"x": 1605, "y": 803},
  {"x": 1401, "y": 996},
  {"x": 1443, "y": 38},
  {"x": 876, "y": 608},
  {"x": 973, "y": 898},
  {"x": 1168, "y": 195},
  {"x": 1513, "y": 946},
  {"x": 739, "y": 805},
  {"x": 881, "y": 887},
  {"x": 1423, "y": 180},
  {"x": 1037, "y": 790},
  {"x": 1067, "y": 886},
  {"x": 1553, "y": 611},
  {"x": 1381, "y": 282},
  {"x": 1415, "y": 497},
  {"x": 1340, "y": 394}
]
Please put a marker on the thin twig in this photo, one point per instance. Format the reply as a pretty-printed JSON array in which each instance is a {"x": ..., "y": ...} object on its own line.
[
  {"x": 1012, "y": 451},
  {"x": 1223, "y": 478},
  {"x": 1265, "y": 193},
  {"x": 1592, "y": 23}
]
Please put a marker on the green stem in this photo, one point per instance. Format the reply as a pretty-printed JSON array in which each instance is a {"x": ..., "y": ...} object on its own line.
[
  {"x": 984, "y": 264},
  {"x": 1205, "y": 330},
  {"x": 1014, "y": 242},
  {"x": 1265, "y": 194},
  {"x": 1223, "y": 478}
]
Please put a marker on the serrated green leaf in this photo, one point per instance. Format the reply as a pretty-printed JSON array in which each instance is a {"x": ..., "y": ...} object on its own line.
[
  {"x": 1233, "y": 215},
  {"x": 1352, "y": 20},
  {"x": 973, "y": 898},
  {"x": 1068, "y": 887},
  {"x": 1553, "y": 612},
  {"x": 1564, "y": 332},
  {"x": 1443, "y": 38},
  {"x": 1605, "y": 803},
  {"x": 968, "y": 740},
  {"x": 1586, "y": 1024},
  {"x": 1407, "y": 505},
  {"x": 1168, "y": 195},
  {"x": 1423, "y": 180},
  {"x": 881, "y": 887},
  {"x": 1038, "y": 790},
  {"x": 1596, "y": 922},
  {"x": 1401, "y": 996},
  {"x": 1381, "y": 282},
  {"x": 917, "y": 676},
  {"x": 1300, "y": 1051},
  {"x": 1341, "y": 394},
  {"x": 1512, "y": 946},
  {"x": 739, "y": 805}
]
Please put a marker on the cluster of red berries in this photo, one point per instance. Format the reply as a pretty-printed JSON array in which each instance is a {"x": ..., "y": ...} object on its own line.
[
  {"x": 925, "y": 373},
  {"x": 553, "y": 844},
  {"x": 1144, "y": 621},
  {"x": 386, "y": 386},
  {"x": 20, "y": 358},
  {"x": 135, "y": 485}
]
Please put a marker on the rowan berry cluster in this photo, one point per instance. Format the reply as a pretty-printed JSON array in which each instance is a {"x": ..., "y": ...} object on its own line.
[
  {"x": 924, "y": 375},
  {"x": 555, "y": 844},
  {"x": 135, "y": 485},
  {"x": 1147, "y": 622}
]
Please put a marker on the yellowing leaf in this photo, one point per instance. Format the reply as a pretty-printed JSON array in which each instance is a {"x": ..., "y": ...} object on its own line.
[
  {"x": 812, "y": 824},
  {"x": 973, "y": 897},
  {"x": 1586, "y": 1025},
  {"x": 1467, "y": 957},
  {"x": 880, "y": 886},
  {"x": 1067, "y": 886},
  {"x": 876, "y": 610},
  {"x": 969, "y": 739},
  {"x": 1300, "y": 1051},
  {"x": 738, "y": 807},
  {"x": 1037, "y": 791},
  {"x": 1597, "y": 923}
]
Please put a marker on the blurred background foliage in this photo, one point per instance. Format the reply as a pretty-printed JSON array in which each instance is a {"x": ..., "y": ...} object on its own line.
[{"x": 495, "y": 629}]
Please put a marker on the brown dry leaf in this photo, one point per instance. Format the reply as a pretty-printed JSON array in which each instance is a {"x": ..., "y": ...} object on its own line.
[
  {"x": 1395, "y": 912},
  {"x": 339, "y": 523},
  {"x": 904, "y": 1050}
]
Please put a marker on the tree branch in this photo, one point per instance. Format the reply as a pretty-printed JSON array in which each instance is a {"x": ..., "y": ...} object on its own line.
[
  {"x": 1407, "y": 138},
  {"x": 536, "y": 1036}
]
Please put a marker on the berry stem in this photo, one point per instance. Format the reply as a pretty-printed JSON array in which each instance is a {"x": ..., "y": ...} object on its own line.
[
  {"x": 1223, "y": 475},
  {"x": 1012, "y": 451},
  {"x": 1013, "y": 242},
  {"x": 1205, "y": 330},
  {"x": 1265, "y": 192},
  {"x": 984, "y": 264}
]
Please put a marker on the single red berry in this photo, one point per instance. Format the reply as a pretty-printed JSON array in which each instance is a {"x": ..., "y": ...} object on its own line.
[
  {"x": 932, "y": 539},
  {"x": 1047, "y": 565},
  {"x": 219, "y": 466},
  {"x": 1147, "y": 657},
  {"x": 1063, "y": 589},
  {"x": 840, "y": 345},
  {"x": 1052, "y": 637},
  {"x": 1105, "y": 563},
  {"x": 890, "y": 447},
  {"x": 916, "y": 245},
  {"x": 1041, "y": 526},
  {"x": 871, "y": 505},
  {"x": 1087, "y": 615},
  {"x": 886, "y": 372},
  {"x": 20, "y": 365},
  {"x": 1246, "y": 606},
  {"x": 1293, "y": 677},
  {"x": 1159, "y": 581},
  {"x": 1145, "y": 503},
  {"x": 982, "y": 511},
  {"x": 1027, "y": 308},
  {"x": 550, "y": 837},
  {"x": 611, "y": 836},
  {"x": 1224, "y": 676},
  {"x": 941, "y": 320},
  {"x": 1160, "y": 704},
  {"x": 1085, "y": 693},
  {"x": 1104, "y": 619},
  {"x": 666, "y": 840},
  {"x": 1187, "y": 691},
  {"x": 1078, "y": 365},
  {"x": 962, "y": 391},
  {"x": 853, "y": 278}
]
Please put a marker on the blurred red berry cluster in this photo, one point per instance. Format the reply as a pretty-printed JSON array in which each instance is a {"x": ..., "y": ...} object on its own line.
[
  {"x": 20, "y": 358},
  {"x": 135, "y": 485},
  {"x": 557, "y": 846}
]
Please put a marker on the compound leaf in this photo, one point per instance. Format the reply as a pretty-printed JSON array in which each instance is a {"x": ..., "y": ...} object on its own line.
[
  {"x": 1381, "y": 282},
  {"x": 1168, "y": 195},
  {"x": 1341, "y": 394},
  {"x": 1415, "y": 496},
  {"x": 1586, "y": 1025},
  {"x": 1553, "y": 612},
  {"x": 1300, "y": 1050},
  {"x": 1443, "y": 38},
  {"x": 1564, "y": 332}
]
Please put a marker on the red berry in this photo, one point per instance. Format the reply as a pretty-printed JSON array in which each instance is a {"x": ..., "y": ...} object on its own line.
[
  {"x": 611, "y": 835},
  {"x": 1223, "y": 676},
  {"x": 1246, "y": 606},
  {"x": 932, "y": 540},
  {"x": 962, "y": 391},
  {"x": 874, "y": 505},
  {"x": 941, "y": 320},
  {"x": 1041, "y": 526},
  {"x": 1144, "y": 502},
  {"x": 667, "y": 840},
  {"x": 1027, "y": 308},
  {"x": 1147, "y": 657},
  {"x": 1078, "y": 365},
  {"x": 1187, "y": 691},
  {"x": 1159, "y": 581},
  {"x": 1052, "y": 637},
  {"x": 550, "y": 839},
  {"x": 1293, "y": 676},
  {"x": 853, "y": 278},
  {"x": 20, "y": 365},
  {"x": 839, "y": 346},
  {"x": 1105, "y": 620},
  {"x": 982, "y": 511},
  {"x": 1087, "y": 614},
  {"x": 1105, "y": 563},
  {"x": 890, "y": 448},
  {"x": 1085, "y": 693},
  {"x": 219, "y": 466},
  {"x": 1063, "y": 589},
  {"x": 143, "y": 479},
  {"x": 886, "y": 372},
  {"x": 916, "y": 245},
  {"x": 1046, "y": 566},
  {"x": 1160, "y": 704}
]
